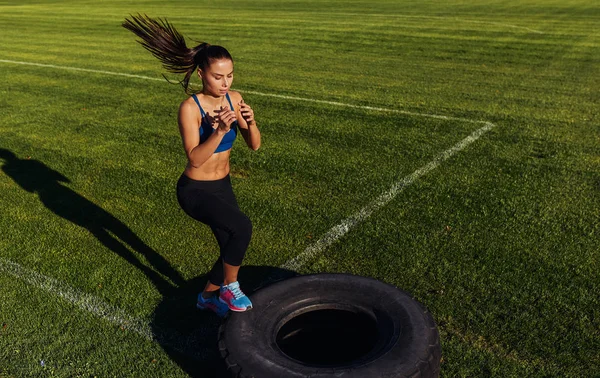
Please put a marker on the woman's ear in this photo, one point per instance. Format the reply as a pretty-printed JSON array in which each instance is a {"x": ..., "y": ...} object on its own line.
[{"x": 200, "y": 73}]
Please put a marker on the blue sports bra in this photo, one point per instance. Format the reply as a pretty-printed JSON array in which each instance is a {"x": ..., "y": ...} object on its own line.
[{"x": 206, "y": 128}]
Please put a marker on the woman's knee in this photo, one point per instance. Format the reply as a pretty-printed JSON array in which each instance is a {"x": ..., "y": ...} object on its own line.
[{"x": 245, "y": 228}]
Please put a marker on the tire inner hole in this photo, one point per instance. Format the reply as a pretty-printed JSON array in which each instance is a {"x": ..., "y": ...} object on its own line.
[{"x": 328, "y": 337}]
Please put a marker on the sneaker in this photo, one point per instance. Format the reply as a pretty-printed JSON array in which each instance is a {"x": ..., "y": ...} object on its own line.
[
  {"x": 234, "y": 298},
  {"x": 213, "y": 304}
]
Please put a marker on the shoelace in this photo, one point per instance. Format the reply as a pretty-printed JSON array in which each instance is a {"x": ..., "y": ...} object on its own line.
[{"x": 237, "y": 292}]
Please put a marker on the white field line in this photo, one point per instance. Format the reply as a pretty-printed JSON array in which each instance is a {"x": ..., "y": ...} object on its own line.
[
  {"x": 445, "y": 18},
  {"x": 80, "y": 69},
  {"x": 84, "y": 301},
  {"x": 117, "y": 316},
  {"x": 337, "y": 232},
  {"x": 503, "y": 24},
  {"x": 447, "y": 118},
  {"x": 103, "y": 310}
]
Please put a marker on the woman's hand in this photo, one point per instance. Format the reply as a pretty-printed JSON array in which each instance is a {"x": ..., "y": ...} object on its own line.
[
  {"x": 224, "y": 119},
  {"x": 247, "y": 113}
]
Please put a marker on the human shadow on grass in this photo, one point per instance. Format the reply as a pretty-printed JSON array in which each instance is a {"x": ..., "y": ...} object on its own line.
[
  {"x": 187, "y": 335},
  {"x": 35, "y": 177}
]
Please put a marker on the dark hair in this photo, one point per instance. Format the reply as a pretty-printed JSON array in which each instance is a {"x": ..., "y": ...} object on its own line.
[{"x": 168, "y": 45}]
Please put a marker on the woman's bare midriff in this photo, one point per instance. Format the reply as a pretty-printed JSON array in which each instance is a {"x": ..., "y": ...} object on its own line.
[{"x": 215, "y": 168}]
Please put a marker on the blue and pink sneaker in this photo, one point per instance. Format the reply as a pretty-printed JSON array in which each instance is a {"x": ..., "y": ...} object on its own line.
[
  {"x": 213, "y": 303},
  {"x": 234, "y": 298}
]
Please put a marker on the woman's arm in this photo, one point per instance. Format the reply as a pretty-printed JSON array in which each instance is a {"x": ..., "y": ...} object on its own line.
[
  {"x": 246, "y": 122},
  {"x": 197, "y": 153}
]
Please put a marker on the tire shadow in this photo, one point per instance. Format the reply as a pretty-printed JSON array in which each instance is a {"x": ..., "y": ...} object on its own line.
[{"x": 188, "y": 335}]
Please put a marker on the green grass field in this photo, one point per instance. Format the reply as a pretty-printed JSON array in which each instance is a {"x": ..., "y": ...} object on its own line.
[{"x": 99, "y": 267}]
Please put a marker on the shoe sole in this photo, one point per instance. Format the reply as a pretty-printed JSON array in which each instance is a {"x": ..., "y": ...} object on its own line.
[
  {"x": 202, "y": 308},
  {"x": 246, "y": 309},
  {"x": 236, "y": 309}
]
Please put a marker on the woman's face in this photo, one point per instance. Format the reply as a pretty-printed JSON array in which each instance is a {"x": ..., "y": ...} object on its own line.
[{"x": 217, "y": 78}]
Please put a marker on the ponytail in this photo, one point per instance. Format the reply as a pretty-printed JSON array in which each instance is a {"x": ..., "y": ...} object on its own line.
[{"x": 168, "y": 45}]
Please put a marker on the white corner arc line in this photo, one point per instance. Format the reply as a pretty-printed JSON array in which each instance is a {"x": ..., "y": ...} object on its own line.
[
  {"x": 337, "y": 232},
  {"x": 334, "y": 103}
]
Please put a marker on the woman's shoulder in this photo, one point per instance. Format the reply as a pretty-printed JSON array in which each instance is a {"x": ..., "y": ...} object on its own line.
[
  {"x": 190, "y": 101},
  {"x": 189, "y": 105}
]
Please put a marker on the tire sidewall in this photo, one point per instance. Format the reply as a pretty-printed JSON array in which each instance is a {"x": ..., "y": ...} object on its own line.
[{"x": 405, "y": 334}]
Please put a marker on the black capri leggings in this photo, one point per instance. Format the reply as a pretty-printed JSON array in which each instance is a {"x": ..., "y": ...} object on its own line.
[{"x": 213, "y": 203}]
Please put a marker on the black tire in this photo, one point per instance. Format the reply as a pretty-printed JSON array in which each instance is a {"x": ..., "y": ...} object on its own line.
[{"x": 380, "y": 331}]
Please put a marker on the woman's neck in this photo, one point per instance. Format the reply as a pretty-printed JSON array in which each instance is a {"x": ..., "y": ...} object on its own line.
[{"x": 212, "y": 101}]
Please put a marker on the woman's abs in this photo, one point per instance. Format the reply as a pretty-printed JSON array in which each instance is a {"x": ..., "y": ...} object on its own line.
[{"x": 215, "y": 168}]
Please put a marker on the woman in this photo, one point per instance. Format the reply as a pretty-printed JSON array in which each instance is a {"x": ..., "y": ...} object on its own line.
[{"x": 209, "y": 123}]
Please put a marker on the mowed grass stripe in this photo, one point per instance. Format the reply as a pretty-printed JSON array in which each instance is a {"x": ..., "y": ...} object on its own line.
[
  {"x": 524, "y": 53},
  {"x": 293, "y": 98},
  {"x": 67, "y": 342},
  {"x": 310, "y": 22},
  {"x": 103, "y": 310},
  {"x": 342, "y": 39},
  {"x": 384, "y": 27},
  {"x": 85, "y": 302},
  {"x": 506, "y": 23},
  {"x": 511, "y": 282},
  {"x": 59, "y": 293},
  {"x": 338, "y": 231},
  {"x": 496, "y": 252},
  {"x": 321, "y": 219},
  {"x": 529, "y": 80}
]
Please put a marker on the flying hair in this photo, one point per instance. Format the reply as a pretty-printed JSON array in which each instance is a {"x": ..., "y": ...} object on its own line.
[{"x": 163, "y": 41}]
